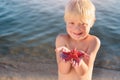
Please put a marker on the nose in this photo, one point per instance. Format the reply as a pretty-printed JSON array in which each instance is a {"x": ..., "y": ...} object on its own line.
[{"x": 78, "y": 27}]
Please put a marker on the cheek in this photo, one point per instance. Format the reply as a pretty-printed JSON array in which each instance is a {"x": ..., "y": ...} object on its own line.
[
  {"x": 68, "y": 27},
  {"x": 87, "y": 30}
]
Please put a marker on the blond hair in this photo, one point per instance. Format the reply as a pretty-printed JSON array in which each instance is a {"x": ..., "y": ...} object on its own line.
[{"x": 82, "y": 9}]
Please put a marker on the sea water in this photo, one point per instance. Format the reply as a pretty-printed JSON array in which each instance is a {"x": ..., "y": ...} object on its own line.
[{"x": 29, "y": 27}]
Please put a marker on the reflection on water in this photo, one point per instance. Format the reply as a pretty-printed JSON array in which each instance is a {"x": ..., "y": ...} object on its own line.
[{"x": 30, "y": 27}]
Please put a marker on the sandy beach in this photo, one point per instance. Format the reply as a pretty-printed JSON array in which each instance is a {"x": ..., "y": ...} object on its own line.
[{"x": 44, "y": 70}]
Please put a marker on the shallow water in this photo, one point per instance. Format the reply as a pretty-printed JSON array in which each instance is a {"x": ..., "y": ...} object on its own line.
[{"x": 30, "y": 27}]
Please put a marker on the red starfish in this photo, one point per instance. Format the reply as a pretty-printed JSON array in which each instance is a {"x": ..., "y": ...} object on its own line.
[
  {"x": 66, "y": 56},
  {"x": 74, "y": 55}
]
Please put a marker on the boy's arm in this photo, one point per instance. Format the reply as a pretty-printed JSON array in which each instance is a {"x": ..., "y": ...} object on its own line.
[
  {"x": 63, "y": 67},
  {"x": 87, "y": 65},
  {"x": 94, "y": 47}
]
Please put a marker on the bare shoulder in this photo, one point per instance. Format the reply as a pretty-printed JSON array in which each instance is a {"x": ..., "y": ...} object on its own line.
[
  {"x": 62, "y": 37},
  {"x": 61, "y": 40},
  {"x": 94, "y": 44},
  {"x": 95, "y": 40}
]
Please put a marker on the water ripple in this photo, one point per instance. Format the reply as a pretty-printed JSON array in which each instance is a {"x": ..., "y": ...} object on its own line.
[{"x": 30, "y": 27}]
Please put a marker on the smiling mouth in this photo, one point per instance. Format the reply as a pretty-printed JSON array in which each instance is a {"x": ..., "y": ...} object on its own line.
[{"x": 77, "y": 34}]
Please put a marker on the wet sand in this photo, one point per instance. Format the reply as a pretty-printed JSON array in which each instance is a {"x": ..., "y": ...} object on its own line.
[{"x": 44, "y": 70}]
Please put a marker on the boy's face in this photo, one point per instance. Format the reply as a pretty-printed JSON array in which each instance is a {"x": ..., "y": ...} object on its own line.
[{"x": 77, "y": 29}]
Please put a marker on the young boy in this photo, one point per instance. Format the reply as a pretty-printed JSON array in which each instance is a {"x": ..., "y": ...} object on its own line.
[{"x": 79, "y": 17}]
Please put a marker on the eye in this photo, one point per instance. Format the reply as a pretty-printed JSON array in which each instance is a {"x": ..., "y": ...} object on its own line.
[
  {"x": 72, "y": 23},
  {"x": 84, "y": 24}
]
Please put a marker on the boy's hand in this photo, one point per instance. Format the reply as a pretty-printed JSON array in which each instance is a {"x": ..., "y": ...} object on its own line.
[
  {"x": 62, "y": 49},
  {"x": 74, "y": 63}
]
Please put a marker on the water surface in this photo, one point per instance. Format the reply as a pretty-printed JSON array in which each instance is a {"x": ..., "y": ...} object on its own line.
[{"x": 29, "y": 27}]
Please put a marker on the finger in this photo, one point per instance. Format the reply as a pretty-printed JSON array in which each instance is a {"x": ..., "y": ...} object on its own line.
[
  {"x": 63, "y": 60},
  {"x": 79, "y": 64},
  {"x": 59, "y": 49},
  {"x": 73, "y": 63},
  {"x": 66, "y": 49}
]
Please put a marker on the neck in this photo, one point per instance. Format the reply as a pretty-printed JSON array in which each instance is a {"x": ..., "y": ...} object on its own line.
[{"x": 80, "y": 40}]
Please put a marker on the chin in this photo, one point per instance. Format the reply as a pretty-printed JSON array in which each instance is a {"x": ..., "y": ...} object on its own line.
[{"x": 79, "y": 38}]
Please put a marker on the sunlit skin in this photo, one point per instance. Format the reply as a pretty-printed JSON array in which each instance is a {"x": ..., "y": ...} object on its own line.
[
  {"x": 77, "y": 29},
  {"x": 77, "y": 37}
]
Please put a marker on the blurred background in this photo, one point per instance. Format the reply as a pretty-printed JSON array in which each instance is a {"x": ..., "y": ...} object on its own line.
[{"x": 28, "y": 29}]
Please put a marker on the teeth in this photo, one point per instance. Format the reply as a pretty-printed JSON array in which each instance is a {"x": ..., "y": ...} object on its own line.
[{"x": 77, "y": 33}]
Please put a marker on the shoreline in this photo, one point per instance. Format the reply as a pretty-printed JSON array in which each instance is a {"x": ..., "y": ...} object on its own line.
[
  {"x": 44, "y": 70},
  {"x": 105, "y": 74}
]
